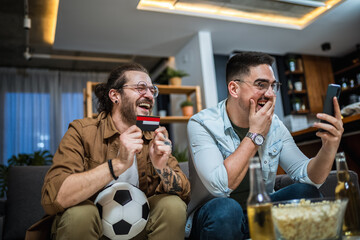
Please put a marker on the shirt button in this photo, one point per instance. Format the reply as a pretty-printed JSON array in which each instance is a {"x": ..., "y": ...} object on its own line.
[
  {"x": 143, "y": 174},
  {"x": 265, "y": 162},
  {"x": 274, "y": 150}
]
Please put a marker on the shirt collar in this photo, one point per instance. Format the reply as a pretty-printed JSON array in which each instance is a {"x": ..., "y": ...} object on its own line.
[
  {"x": 224, "y": 115},
  {"x": 110, "y": 129}
]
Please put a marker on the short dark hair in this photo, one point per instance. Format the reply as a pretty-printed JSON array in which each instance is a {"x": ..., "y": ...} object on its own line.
[
  {"x": 240, "y": 64},
  {"x": 115, "y": 80}
]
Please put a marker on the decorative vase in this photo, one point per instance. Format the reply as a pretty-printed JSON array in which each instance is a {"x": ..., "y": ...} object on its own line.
[
  {"x": 188, "y": 110},
  {"x": 175, "y": 81}
]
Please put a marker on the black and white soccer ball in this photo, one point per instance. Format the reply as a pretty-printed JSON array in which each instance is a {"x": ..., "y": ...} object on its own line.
[{"x": 124, "y": 210}]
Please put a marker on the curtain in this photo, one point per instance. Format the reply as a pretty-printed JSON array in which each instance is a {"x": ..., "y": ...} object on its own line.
[{"x": 36, "y": 107}]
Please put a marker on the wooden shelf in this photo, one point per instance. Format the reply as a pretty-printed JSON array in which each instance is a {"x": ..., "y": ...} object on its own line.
[
  {"x": 347, "y": 68},
  {"x": 174, "y": 119},
  {"x": 296, "y": 72},
  {"x": 297, "y": 92},
  {"x": 301, "y": 112},
  {"x": 169, "y": 89},
  {"x": 346, "y": 120},
  {"x": 349, "y": 89}
]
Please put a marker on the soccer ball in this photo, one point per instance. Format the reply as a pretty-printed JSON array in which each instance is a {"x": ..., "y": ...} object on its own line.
[{"x": 124, "y": 210}]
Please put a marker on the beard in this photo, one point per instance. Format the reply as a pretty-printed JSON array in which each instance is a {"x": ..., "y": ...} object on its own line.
[{"x": 127, "y": 111}]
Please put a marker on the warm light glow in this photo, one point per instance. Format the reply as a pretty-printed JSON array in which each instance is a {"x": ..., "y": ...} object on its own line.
[
  {"x": 160, "y": 4},
  {"x": 203, "y": 8},
  {"x": 308, "y": 18},
  {"x": 224, "y": 13},
  {"x": 50, "y": 27}
]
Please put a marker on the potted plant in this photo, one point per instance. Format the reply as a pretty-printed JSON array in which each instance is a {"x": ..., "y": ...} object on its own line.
[
  {"x": 37, "y": 158},
  {"x": 187, "y": 108},
  {"x": 172, "y": 76},
  {"x": 181, "y": 156}
]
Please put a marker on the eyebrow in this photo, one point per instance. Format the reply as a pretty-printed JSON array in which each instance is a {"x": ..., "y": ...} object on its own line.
[
  {"x": 264, "y": 80},
  {"x": 261, "y": 80}
]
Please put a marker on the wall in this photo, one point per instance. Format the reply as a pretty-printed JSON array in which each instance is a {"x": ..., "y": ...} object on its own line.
[
  {"x": 197, "y": 58},
  {"x": 220, "y": 69}
]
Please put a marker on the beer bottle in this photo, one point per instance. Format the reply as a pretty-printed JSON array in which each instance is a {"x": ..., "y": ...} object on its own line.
[
  {"x": 346, "y": 189},
  {"x": 259, "y": 205}
]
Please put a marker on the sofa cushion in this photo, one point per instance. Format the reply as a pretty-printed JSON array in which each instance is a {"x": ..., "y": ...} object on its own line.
[{"x": 23, "y": 206}]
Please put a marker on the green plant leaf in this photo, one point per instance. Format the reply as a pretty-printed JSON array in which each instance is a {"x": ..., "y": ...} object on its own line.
[
  {"x": 170, "y": 73},
  {"x": 181, "y": 156},
  {"x": 186, "y": 103},
  {"x": 35, "y": 159}
]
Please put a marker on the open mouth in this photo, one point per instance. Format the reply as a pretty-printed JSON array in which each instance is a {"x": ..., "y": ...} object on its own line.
[
  {"x": 145, "y": 106},
  {"x": 262, "y": 103}
]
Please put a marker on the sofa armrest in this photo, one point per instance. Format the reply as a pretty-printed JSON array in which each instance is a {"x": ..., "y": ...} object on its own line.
[
  {"x": 23, "y": 206},
  {"x": 327, "y": 189},
  {"x": 2, "y": 216}
]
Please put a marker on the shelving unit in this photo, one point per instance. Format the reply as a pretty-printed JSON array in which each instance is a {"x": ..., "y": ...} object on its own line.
[
  {"x": 297, "y": 75},
  {"x": 315, "y": 74},
  {"x": 164, "y": 89},
  {"x": 349, "y": 71}
]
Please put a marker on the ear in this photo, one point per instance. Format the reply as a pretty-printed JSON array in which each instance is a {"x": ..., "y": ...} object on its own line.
[
  {"x": 113, "y": 95},
  {"x": 234, "y": 89}
]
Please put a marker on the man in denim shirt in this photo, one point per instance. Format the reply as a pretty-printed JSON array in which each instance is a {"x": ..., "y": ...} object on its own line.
[{"x": 223, "y": 139}]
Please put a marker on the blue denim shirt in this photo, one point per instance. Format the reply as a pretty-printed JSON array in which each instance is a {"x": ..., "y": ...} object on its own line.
[{"x": 212, "y": 139}]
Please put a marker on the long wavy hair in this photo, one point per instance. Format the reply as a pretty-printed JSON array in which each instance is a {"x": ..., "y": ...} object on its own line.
[{"x": 115, "y": 80}]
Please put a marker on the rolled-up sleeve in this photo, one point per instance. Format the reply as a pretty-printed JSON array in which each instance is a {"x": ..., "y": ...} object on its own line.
[
  {"x": 293, "y": 161},
  {"x": 208, "y": 160},
  {"x": 68, "y": 159}
]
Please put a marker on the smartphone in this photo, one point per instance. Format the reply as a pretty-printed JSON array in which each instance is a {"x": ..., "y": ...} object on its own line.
[{"x": 333, "y": 90}]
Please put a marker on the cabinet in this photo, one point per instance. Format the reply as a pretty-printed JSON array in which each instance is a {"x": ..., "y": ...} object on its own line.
[
  {"x": 313, "y": 73},
  {"x": 318, "y": 75},
  {"x": 349, "y": 79},
  {"x": 163, "y": 89}
]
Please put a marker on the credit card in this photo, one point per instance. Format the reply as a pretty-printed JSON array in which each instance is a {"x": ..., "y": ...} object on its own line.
[{"x": 147, "y": 123}]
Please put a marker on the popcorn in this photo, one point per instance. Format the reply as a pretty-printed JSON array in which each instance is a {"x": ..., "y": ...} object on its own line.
[{"x": 308, "y": 220}]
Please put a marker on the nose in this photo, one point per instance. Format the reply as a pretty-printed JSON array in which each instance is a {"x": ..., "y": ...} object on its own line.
[
  {"x": 270, "y": 92},
  {"x": 148, "y": 94}
]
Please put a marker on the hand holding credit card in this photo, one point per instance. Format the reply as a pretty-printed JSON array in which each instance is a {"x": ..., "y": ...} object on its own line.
[{"x": 147, "y": 123}]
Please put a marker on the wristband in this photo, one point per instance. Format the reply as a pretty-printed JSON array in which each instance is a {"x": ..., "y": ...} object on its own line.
[{"x": 111, "y": 169}]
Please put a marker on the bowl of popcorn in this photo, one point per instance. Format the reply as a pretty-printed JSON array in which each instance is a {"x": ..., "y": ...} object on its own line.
[{"x": 309, "y": 219}]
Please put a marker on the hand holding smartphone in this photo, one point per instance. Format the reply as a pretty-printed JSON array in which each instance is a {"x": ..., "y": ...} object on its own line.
[{"x": 332, "y": 91}]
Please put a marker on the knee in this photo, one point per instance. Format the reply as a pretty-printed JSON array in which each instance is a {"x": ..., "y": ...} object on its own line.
[
  {"x": 220, "y": 218},
  {"x": 226, "y": 209},
  {"x": 86, "y": 213},
  {"x": 79, "y": 222},
  {"x": 308, "y": 191},
  {"x": 171, "y": 207}
]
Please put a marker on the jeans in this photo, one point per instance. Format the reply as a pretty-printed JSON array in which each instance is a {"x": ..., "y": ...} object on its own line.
[{"x": 224, "y": 218}]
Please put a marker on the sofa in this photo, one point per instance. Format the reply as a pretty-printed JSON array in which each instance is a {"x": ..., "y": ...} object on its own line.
[{"x": 22, "y": 207}]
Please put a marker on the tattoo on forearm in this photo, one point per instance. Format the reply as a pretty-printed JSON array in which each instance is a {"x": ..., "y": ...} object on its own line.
[{"x": 171, "y": 180}]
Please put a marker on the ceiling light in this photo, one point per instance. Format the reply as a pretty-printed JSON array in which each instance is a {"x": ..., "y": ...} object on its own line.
[
  {"x": 79, "y": 58},
  {"x": 307, "y": 3},
  {"x": 254, "y": 12}
]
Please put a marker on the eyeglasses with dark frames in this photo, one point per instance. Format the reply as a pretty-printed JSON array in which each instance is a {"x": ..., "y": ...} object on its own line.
[
  {"x": 262, "y": 85},
  {"x": 142, "y": 88}
]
